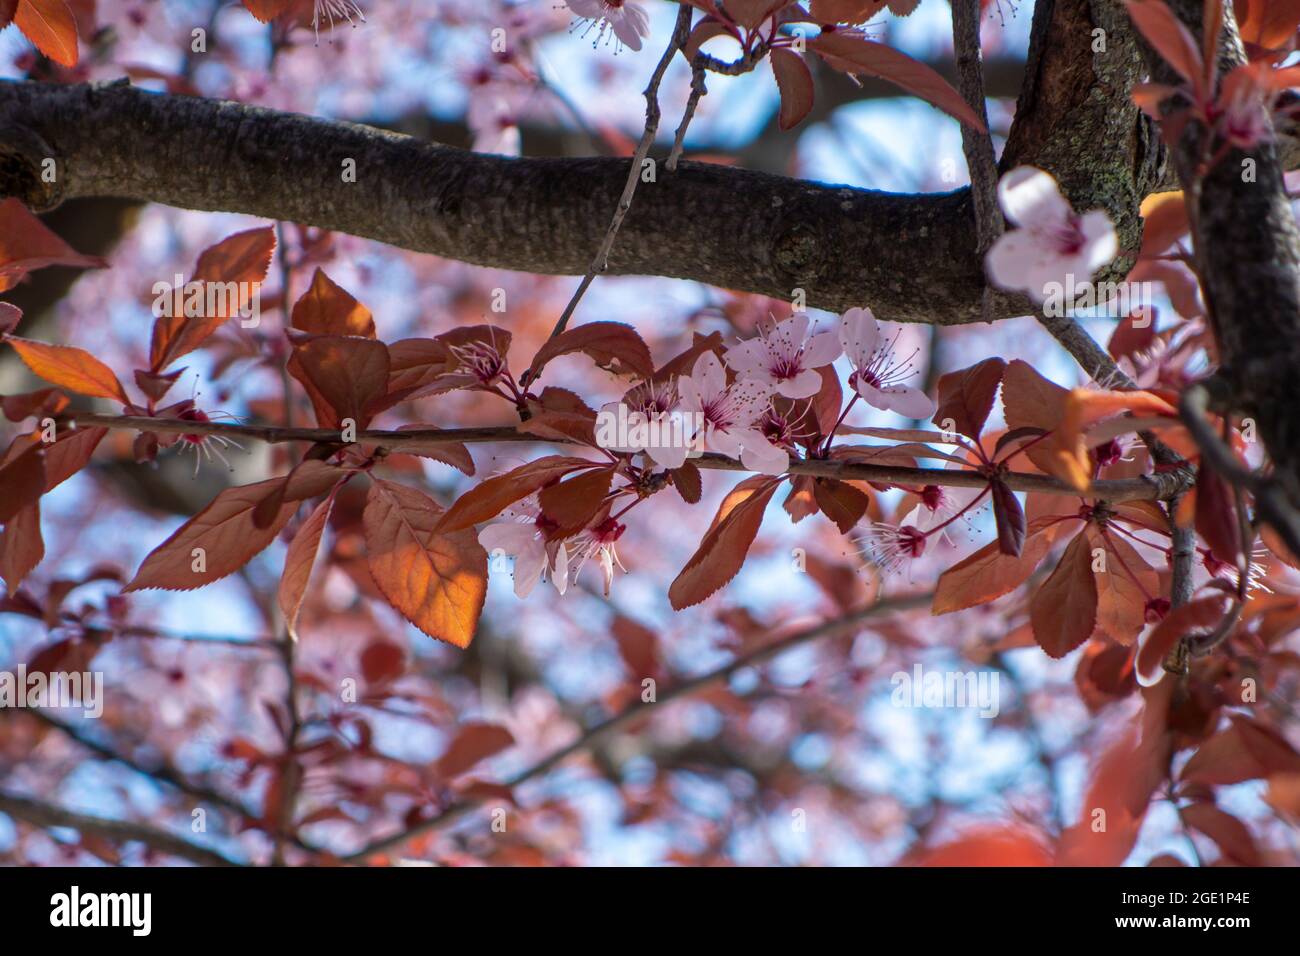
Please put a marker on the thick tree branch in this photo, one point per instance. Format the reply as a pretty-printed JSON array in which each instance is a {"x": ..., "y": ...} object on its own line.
[
  {"x": 911, "y": 257},
  {"x": 1151, "y": 487}
]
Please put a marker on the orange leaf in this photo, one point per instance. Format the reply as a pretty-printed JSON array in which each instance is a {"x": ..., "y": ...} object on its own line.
[
  {"x": 70, "y": 368},
  {"x": 438, "y": 581},
  {"x": 22, "y": 478},
  {"x": 1031, "y": 401},
  {"x": 345, "y": 376},
  {"x": 327, "y": 309},
  {"x": 1063, "y": 611},
  {"x": 1269, "y": 24},
  {"x": 242, "y": 259},
  {"x": 50, "y": 25},
  {"x": 489, "y": 498},
  {"x": 217, "y": 541},
  {"x": 473, "y": 742},
  {"x": 1002, "y": 846},
  {"x": 722, "y": 552},
  {"x": 851, "y": 54},
  {"x": 1085, "y": 407},
  {"x": 267, "y": 10}
]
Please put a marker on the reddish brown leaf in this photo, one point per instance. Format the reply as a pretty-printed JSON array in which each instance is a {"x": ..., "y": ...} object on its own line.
[
  {"x": 841, "y": 502},
  {"x": 328, "y": 309},
  {"x": 966, "y": 397},
  {"x": 22, "y": 478},
  {"x": 795, "y": 83},
  {"x": 26, "y": 244},
  {"x": 489, "y": 498},
  {"x": 722, "y": 551},
  {"x": 71, "y": 368},
  {"x": 987, "y": 575},
  {"x": 298, "y": 562},
  {"x": 1031, "y": 401},
  {"x": 1268, "y": 24},
  {"x": 217, "y": 541},
  {"x": 1216, "y": 515},
  {"x": 449, "y": 453},
  {"x": 852, "y": 54},
  {"x": 1123, "y": 587},
  {"x": 1170, "y": 38},
  {"x": 382, "y": 661},
  {"x": 560, "y": 414},
  {"x": 473, "y": 743},
  {"x": 1009, "y": 517},
  {"x": 1195, "y": 615},
  {"x": 1229, "y": 833},
  {"x": 572, "y": 504},
  {"x": 436, "y": 579},
  {"x": 21, "y": 545},
  {"x": 611, "y": 345},
  {"x": 1064, "y": 610},
  {"x": 688, "y": 482}
]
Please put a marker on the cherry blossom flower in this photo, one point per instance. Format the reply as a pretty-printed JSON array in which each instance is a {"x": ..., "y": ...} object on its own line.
[
  {"x": 1053, "y": 244},
  {"x": 939, "y": 504},
  {"x": 785, "y": 357},
  {"x": 877, "y": 375},
  {"x": 598, "y": 542},
  {"x": 332, "y": 10},
  {"x": 647, "y": 420},
  {"x": 522, "y": 536},
  {"x": 625, "y": 20},
  {"x": 206, "y": 444},
  {"x": 889, "y": 547},
  {"x": 731, "y": 415}
]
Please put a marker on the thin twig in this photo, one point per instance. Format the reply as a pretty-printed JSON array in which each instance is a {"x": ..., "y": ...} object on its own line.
[
  {"x": 638, "y": 709},
  {"x": 598, "y": 264},
  {"x": 698, "y": 89}
]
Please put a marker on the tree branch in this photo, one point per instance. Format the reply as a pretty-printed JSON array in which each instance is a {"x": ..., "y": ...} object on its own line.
[
  {"x": 1155, "y": 486},
  {"x": 911, "y": 257},
  {"x": 638, "y": 709},
  {"x": 47, "y": 815}
]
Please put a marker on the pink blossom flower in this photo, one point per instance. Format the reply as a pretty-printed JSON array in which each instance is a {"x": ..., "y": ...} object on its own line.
[
  {"x": 493, "y": 115},
  {"x": 647, "y": 420},
  {"x": 522, "y": 536},
  {"x": 599, "y": 542},
  {"x": 877, "y": 374},
  {"x": 889, "y": 547},
  {"x": 731, "y": 415},
  {"x": 941, "y": 503},
  {"x": 332, "y": 10},
  {"x": 1052, "y": 243},
  {"x": 785, "y": 357},
  {"x": 627, "y": 21}
]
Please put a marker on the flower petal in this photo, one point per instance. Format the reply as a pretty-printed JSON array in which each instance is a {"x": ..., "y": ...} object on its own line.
[{"x": 1030, "y": 197}]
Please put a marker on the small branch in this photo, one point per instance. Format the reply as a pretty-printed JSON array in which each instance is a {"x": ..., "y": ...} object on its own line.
[
  {"x": 47, "y": 815},
  {"x": 637, "y": 709},
  {"x": 977, "y": 146},
  {"x": 1270, "y": 500},
  {"x": 680, "y": 33},
  {"x": 1153, "y": 487},
  {"x": 698, "y": 89}
]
